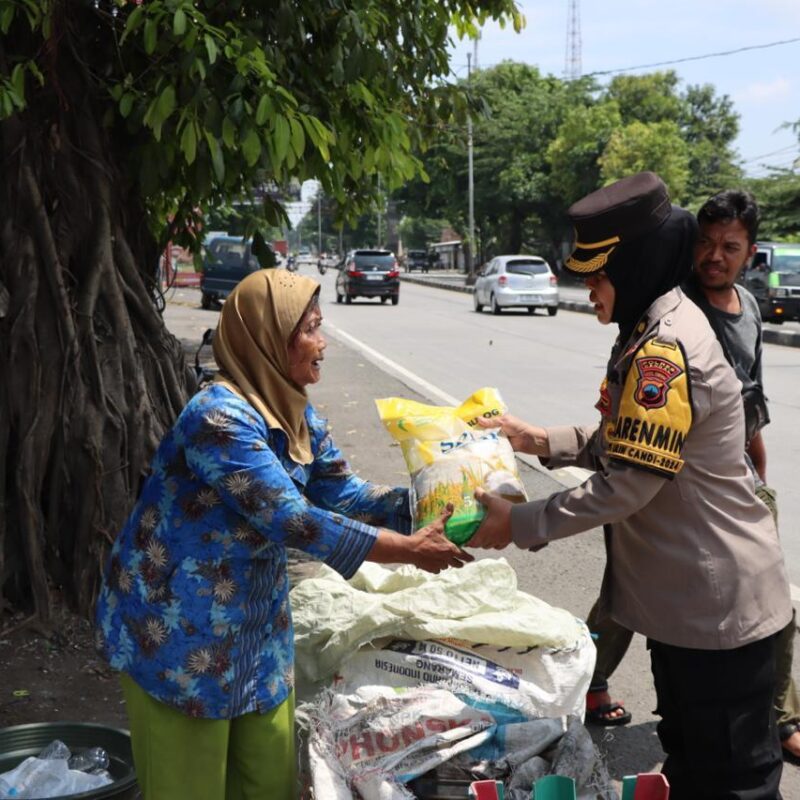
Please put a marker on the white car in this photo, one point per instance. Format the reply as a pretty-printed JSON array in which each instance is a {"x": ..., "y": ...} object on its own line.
[
  {"x": 305, "y": 258},
  {"x": 517, "y": 282}
]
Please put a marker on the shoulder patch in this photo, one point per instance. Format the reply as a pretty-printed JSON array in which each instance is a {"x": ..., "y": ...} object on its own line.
[
  {"x": 655, "y": 410},
  {"x": 603, "y": 405}
]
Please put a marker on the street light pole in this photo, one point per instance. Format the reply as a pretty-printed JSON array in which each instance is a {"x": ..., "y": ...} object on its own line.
[
  {"x": 380, "y": 212},
  {"x": 471, "y": 188},
  {"x": 319, "y": 222}
]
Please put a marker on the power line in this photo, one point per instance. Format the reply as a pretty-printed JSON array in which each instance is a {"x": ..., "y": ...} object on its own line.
[
  {"x": 679, "y": 60},
  {"x": 773, "y": 153},
  {"x": 698, "y": 58}
]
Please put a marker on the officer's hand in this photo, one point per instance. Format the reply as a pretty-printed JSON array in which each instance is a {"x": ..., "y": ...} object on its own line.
[
  {"x": 524, "y": 438},
  {"x": 494, "y": 532}
]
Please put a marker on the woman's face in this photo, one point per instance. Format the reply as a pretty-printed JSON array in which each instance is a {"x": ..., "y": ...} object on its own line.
[
  {"x": 306, "y": 349},
  {"x": 602, "y": 295}
]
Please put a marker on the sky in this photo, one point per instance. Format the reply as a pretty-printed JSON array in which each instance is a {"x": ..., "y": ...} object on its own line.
[{"x": 764, "y": 84}]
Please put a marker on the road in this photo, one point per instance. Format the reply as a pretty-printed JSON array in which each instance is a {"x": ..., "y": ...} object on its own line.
[
  {"x": 548, "y": 369},
  {"x": 433, "y": 346}
]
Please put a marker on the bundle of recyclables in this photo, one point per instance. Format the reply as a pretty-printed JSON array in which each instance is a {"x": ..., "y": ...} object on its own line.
[{"x": 449, "y": 455}]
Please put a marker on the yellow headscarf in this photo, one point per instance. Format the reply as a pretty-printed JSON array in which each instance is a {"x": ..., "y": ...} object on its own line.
[{"x": 251, "y": 347}]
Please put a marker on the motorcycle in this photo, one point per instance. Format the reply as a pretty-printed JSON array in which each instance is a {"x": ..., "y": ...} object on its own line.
[
  {"x": 321, "y": 267},
  {"x": 203, "y": 375},
  {"x": 291, "y": 264}
]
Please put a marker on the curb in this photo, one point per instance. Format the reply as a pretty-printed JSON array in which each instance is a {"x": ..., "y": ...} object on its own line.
[{"x": 768, "y": 335}]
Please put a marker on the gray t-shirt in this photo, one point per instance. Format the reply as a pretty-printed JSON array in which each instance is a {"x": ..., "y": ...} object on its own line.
[{"x": 742, "y": 334}]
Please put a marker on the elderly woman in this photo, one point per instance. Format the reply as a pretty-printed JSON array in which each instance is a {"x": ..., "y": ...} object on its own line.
[{"x": 194, "y": 609}]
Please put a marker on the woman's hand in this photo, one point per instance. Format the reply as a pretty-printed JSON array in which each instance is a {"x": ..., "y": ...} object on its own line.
[
  {"x": 428, "y": 548},
  {"x": 495, "y": 530},
  {"x": 524, "y": 438},
  {"x": 433, "y": 551}
]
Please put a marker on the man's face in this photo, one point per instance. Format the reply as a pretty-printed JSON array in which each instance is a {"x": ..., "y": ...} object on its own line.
[{"x": 721, "y": 251}]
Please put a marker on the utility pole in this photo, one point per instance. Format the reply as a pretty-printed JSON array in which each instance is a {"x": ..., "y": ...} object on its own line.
[
  {"x": 471, "y": 187},
  {"x": 319, "y": 222},
  {"x": 380, "y": 212}
]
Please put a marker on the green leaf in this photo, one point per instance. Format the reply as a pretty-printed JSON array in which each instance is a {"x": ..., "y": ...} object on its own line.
[
  {"x": 7, "y": 17},
  {"x": 179, "y": 22},
  {"x": 189, "y": 142},
  {"x": 200, "y": 66},
  {"x": 251, "y": 147},
  {"x": 18, "y": 81},
  {"x": 211, "y": 48},
  {"x": 264, "y": 254},
  {"x": 282, "y": 134},
  {"x": 166, "y": 103},
  {"x": 217, "y": 159},
  {"x": 150, "y": 36},
  {"x": 264, "y": 110},
  {"x": 126, "y": 104},
  {"x": 298, "y": 137},
  {"x": 228, "y": 133},
  {"x": 132, "y": 23}
]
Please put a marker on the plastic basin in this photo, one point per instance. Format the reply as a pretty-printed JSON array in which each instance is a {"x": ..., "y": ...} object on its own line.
[{"x": 21, "y": 741}]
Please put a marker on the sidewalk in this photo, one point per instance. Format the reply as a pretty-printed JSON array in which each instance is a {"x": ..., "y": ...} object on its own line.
[{"x": 455, "y": 282}]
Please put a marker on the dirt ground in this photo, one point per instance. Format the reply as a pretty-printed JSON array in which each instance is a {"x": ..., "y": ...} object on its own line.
[{"x": 54, "y": 675}]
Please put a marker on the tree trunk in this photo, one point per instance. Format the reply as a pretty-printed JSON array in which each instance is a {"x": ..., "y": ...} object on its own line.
[{"x": 91, "y": 377}]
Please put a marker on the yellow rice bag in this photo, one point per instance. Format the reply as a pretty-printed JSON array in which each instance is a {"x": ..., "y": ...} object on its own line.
[{"x": 448, "y": 456}]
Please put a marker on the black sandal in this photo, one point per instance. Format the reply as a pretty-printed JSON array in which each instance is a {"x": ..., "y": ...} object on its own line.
[{"x": 597, "y": 714}]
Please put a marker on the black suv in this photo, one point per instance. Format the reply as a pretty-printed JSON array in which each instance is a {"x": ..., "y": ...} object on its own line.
[
  {"x": 417, "y": 259},
  {"x": 368, "y": 273}
]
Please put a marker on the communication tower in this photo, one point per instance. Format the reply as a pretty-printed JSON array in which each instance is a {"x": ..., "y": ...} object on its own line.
[{"x": 572, "y": 60}]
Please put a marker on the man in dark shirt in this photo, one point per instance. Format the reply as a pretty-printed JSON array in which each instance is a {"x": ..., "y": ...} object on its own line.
[{"x": 726, "y": 242}]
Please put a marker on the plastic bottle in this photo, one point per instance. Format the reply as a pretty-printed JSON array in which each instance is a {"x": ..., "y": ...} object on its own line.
[
  {"x": 93, "y": 760},
  {"x": 56, "y": 749}
]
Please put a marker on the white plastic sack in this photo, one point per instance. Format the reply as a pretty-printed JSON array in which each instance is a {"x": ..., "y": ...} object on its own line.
[
  {"x": 377, "y": 738},
  {"x": 372, "y": 742},
  {"x": 477, "y": 605},
  {"x": 538, "y": 682}
]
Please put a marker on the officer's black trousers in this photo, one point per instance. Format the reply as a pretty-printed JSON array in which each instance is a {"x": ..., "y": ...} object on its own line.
[{"x": 718, "y": 722}]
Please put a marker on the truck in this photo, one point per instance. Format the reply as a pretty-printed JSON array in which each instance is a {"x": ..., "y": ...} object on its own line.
[{"x": 773, "y": 277}]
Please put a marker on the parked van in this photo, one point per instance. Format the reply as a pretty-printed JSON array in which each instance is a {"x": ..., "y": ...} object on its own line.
[
  {"x": 773, "y": 277},
  {"x": 227, "y": 260}
]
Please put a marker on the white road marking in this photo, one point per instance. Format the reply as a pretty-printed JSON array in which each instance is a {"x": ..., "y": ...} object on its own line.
[{"x": 566, "y": 476}]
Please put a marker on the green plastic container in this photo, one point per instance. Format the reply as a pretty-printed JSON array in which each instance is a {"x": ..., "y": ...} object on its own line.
[{"x": 22, "y": 741}]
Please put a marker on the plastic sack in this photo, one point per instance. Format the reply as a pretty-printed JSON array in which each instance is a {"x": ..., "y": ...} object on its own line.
[
  {"x": 47, "y": 777},
  {"x": 537, "y": 681},
  {"x": 448, "y": 456}
]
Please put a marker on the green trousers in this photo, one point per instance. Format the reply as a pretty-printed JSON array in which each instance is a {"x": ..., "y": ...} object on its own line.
[
  {"x": 613, "y": 641},
  {"x": 177, "y": 757}
]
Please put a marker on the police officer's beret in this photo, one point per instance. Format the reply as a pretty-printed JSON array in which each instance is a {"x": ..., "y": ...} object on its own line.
[{"x": 617, "y": 213}]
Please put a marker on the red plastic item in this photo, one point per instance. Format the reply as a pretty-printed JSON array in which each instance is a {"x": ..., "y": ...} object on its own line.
[{"x": 483, "y": 790}]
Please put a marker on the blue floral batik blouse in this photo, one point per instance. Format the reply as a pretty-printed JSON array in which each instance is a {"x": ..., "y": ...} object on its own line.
[{"x": 194, "y": 604}]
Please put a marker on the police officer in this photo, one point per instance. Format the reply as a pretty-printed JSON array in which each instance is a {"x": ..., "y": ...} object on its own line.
[{"x": 693, "y": 562}]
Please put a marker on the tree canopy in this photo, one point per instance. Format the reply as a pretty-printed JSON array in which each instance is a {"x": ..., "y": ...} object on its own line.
[
  {"x": 120, "y": 122},
  {"x": 541, "y": 143}
]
